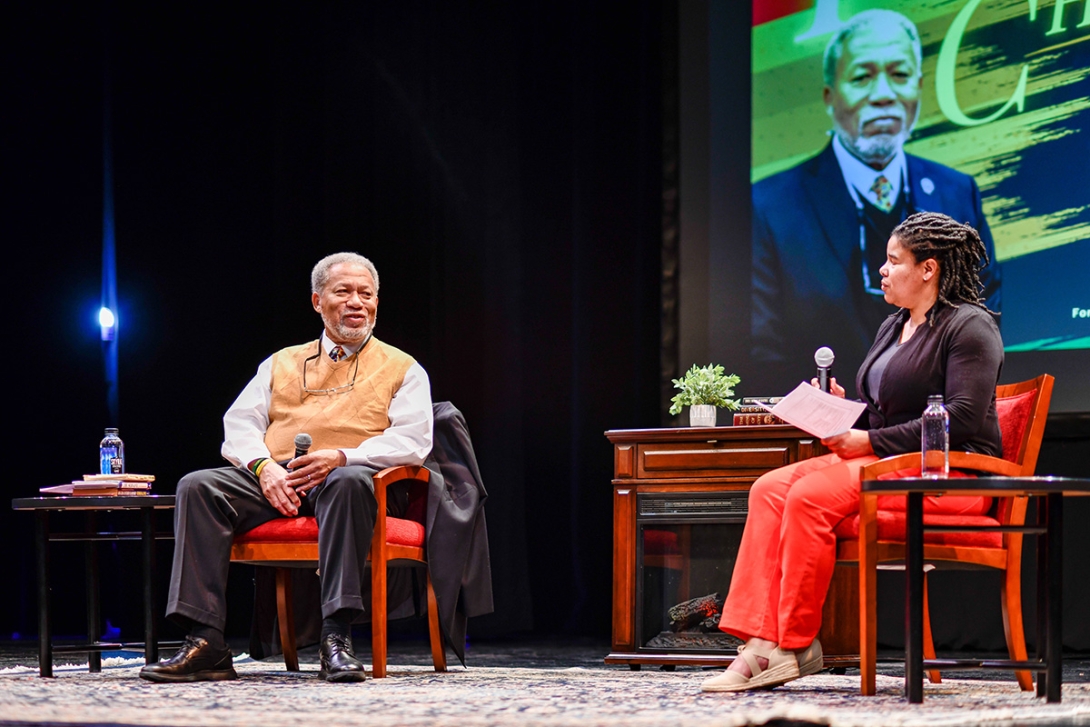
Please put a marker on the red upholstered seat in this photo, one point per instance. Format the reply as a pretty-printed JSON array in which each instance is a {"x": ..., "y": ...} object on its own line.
[
  {"x": 891, "y": 526},
  {"x": 305, "y": 529},
  {"x": 972, "y": 511}
]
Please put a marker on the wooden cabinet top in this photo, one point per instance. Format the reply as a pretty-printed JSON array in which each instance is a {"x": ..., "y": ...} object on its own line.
[{"x": 704, "y": 434}]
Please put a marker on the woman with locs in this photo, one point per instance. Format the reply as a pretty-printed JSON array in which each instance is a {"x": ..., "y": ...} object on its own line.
[{"x": 942, "y": 340}]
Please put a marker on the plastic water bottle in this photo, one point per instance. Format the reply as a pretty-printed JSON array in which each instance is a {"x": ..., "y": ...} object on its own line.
[
  {"x": 111, "y": 453},
  {"x": 935, "y": 440}
]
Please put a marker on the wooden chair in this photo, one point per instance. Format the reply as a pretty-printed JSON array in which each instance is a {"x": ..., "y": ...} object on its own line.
[
  {"x": 876, "y": 536},
  {"x": 293, "y": 543}
]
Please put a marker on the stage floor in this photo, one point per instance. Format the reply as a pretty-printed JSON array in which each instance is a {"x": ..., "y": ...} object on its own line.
[
  {"x": 510, "y": 684},
  {"x": 537, "y": 654}
]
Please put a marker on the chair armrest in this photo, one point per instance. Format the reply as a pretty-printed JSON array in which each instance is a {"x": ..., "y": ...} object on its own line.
[
  {"x": 958, "y": 460},
  {"x": 390, "y": 475},
  {"x": 382, "y": 480},
  {"x": 884, "y": 466},
  {"x": 984, "y": 463}
]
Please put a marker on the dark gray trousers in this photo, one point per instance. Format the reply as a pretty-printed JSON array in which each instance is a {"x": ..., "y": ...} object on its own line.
[{"x": 214, "y": 505}]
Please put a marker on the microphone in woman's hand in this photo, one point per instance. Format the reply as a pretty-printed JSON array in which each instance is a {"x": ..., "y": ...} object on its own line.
[{"x": 823, "y": 357}]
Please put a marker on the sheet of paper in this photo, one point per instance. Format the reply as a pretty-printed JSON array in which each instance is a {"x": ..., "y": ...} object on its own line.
[{"x": 815, "y": 412}]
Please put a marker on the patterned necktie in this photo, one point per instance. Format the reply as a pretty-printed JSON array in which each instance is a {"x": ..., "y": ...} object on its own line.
[
  {"x": 883, "y": 191},
  {"x": 337, "y": 353}
]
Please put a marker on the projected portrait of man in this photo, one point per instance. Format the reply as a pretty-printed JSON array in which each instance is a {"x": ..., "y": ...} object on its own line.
[{"x": 820, "y": 228}]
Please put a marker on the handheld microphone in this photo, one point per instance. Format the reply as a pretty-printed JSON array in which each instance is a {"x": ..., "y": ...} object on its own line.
[
  {"x": 302, "y": 444},
  {"x": 823, "y": 357}
]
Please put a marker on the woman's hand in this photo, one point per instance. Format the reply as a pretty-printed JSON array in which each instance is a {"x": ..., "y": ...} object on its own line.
[
  {"x": 834, "y": 388},
  {"x": 850, "y": 444}
]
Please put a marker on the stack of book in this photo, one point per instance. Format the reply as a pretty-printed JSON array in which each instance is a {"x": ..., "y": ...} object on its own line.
[
  {"x": 99, "y": 485},
  {"x": 750, "y": 412}
]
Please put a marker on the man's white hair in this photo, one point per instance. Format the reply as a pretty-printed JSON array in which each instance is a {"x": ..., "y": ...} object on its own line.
[
  {"x": 867, "y": 19},
  {"x": 319, "y": 276}
]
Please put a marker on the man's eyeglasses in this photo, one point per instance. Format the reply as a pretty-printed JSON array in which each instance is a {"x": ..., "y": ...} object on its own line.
[{"x": 335, "y": 389}]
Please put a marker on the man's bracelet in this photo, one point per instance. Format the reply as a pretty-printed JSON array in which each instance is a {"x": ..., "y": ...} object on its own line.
[{"x": 257, "y": 465}]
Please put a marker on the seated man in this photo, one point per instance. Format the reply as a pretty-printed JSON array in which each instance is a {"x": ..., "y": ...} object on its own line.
[{"x": 367, "y": 406}]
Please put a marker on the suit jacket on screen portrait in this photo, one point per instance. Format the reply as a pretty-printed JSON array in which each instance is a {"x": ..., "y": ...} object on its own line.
[{"x": 807, "y": 284}]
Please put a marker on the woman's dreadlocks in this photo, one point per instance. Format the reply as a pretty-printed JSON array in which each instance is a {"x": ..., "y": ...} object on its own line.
[{"x": 957, "y": 248}]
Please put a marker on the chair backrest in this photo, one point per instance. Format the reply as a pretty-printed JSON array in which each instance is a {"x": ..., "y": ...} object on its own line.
[{"x": 1023, "y": 411}]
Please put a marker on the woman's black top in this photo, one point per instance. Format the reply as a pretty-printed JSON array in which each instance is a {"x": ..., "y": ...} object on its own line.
[{"x": 958, "y": 355}]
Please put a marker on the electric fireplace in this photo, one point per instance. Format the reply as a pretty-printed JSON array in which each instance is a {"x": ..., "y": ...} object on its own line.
[{"x": 687, "y": 544}]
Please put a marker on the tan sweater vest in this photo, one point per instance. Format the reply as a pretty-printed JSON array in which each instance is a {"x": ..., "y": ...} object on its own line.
[{"x": 341, "y": 420}]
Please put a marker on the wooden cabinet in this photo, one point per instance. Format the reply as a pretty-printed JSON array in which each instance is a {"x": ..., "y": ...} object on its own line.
[{"x": 679, "y": 484}]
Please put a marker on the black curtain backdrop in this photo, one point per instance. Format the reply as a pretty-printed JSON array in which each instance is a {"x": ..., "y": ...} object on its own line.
[{"x": 500, "y": 165}]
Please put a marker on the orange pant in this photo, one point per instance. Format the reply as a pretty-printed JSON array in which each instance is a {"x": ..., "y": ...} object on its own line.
[{"x": 788, "y": 550}]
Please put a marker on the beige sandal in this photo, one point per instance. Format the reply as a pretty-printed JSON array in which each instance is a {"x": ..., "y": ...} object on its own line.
[
  {"x": 811, "y": 660},
  {"x": 782, "y": 668}
]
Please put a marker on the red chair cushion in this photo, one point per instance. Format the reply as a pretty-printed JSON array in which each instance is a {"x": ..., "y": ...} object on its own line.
[
  {"x": 936, "y": 505},
  {"x": 891, "y": 527},
  {"x": 660, "y": 542},
  {"x": 1014, "y": 413},
  {"x": 305, "y": 529}
]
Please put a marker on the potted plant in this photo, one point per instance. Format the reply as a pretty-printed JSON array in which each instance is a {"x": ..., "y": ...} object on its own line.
[{"x": 703, "y": 389}]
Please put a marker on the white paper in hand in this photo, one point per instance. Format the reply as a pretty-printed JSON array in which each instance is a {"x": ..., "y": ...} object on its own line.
[{"x": 817, "y": 413}]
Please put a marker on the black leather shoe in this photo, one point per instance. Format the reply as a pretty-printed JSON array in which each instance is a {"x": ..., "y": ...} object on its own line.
[
  {"x": 339, "y": 663},
  {"x": 196, "y": 661}
]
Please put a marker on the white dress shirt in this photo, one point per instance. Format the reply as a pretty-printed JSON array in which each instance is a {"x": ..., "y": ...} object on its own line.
[
  {"x": 860, "y": 178},
  {"x": 407, "y": 441}
]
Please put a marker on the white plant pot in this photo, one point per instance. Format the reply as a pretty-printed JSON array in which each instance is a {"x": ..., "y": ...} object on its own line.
[{"x": 702, "y": 415}]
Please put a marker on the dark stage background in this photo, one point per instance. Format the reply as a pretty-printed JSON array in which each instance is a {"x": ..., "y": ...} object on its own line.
[
  {"x": 503, "y": 167},
  {"x": 499, "y": 164}
]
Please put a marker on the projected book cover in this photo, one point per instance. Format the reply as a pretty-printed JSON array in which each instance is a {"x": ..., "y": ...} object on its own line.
[{"x": 976, "y": 108}]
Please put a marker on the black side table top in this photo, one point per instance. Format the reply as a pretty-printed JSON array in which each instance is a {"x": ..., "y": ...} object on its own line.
[
  {"x": 93, "y": 502},
  {"x": 1029, "y": 485}
]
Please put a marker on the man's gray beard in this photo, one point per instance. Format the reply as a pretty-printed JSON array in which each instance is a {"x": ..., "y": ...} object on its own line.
[
  {"x": 878, "y": 149},
  {"x": 351, "y": 335}
]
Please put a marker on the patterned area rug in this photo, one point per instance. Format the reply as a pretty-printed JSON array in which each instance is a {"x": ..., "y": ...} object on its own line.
[{"x": 268, "y": 696}]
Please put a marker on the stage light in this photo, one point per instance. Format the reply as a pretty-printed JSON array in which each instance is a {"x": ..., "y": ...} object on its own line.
[{"x": 108, "y": 323}]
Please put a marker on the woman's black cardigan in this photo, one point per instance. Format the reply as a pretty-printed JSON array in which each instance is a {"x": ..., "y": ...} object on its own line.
[{"x": 959, "y": 354}]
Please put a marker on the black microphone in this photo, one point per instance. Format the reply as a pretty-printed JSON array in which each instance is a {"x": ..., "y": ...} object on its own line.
[
  {"x": 823, "y": 357},
  {"x": 302, "y": 444}
]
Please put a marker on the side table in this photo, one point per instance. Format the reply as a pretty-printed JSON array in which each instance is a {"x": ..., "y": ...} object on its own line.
[
  {"x": 145, "y": 506},
  {"x": 1050, "y": 491}
]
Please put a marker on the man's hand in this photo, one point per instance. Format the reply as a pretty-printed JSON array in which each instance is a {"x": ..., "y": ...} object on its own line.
[
  {"x": 311, "y": 469},
  {"x": 850, "y": 444},
  {"x": 277, "y": 490},
  {"x": 834, "y": 388}
]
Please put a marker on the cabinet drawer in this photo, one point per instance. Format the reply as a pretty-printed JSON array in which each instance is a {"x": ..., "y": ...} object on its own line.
[{"x": 663, "y": 460}]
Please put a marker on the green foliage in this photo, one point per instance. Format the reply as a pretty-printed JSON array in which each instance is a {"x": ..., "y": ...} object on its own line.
[{"x": 707, "y": 385}]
